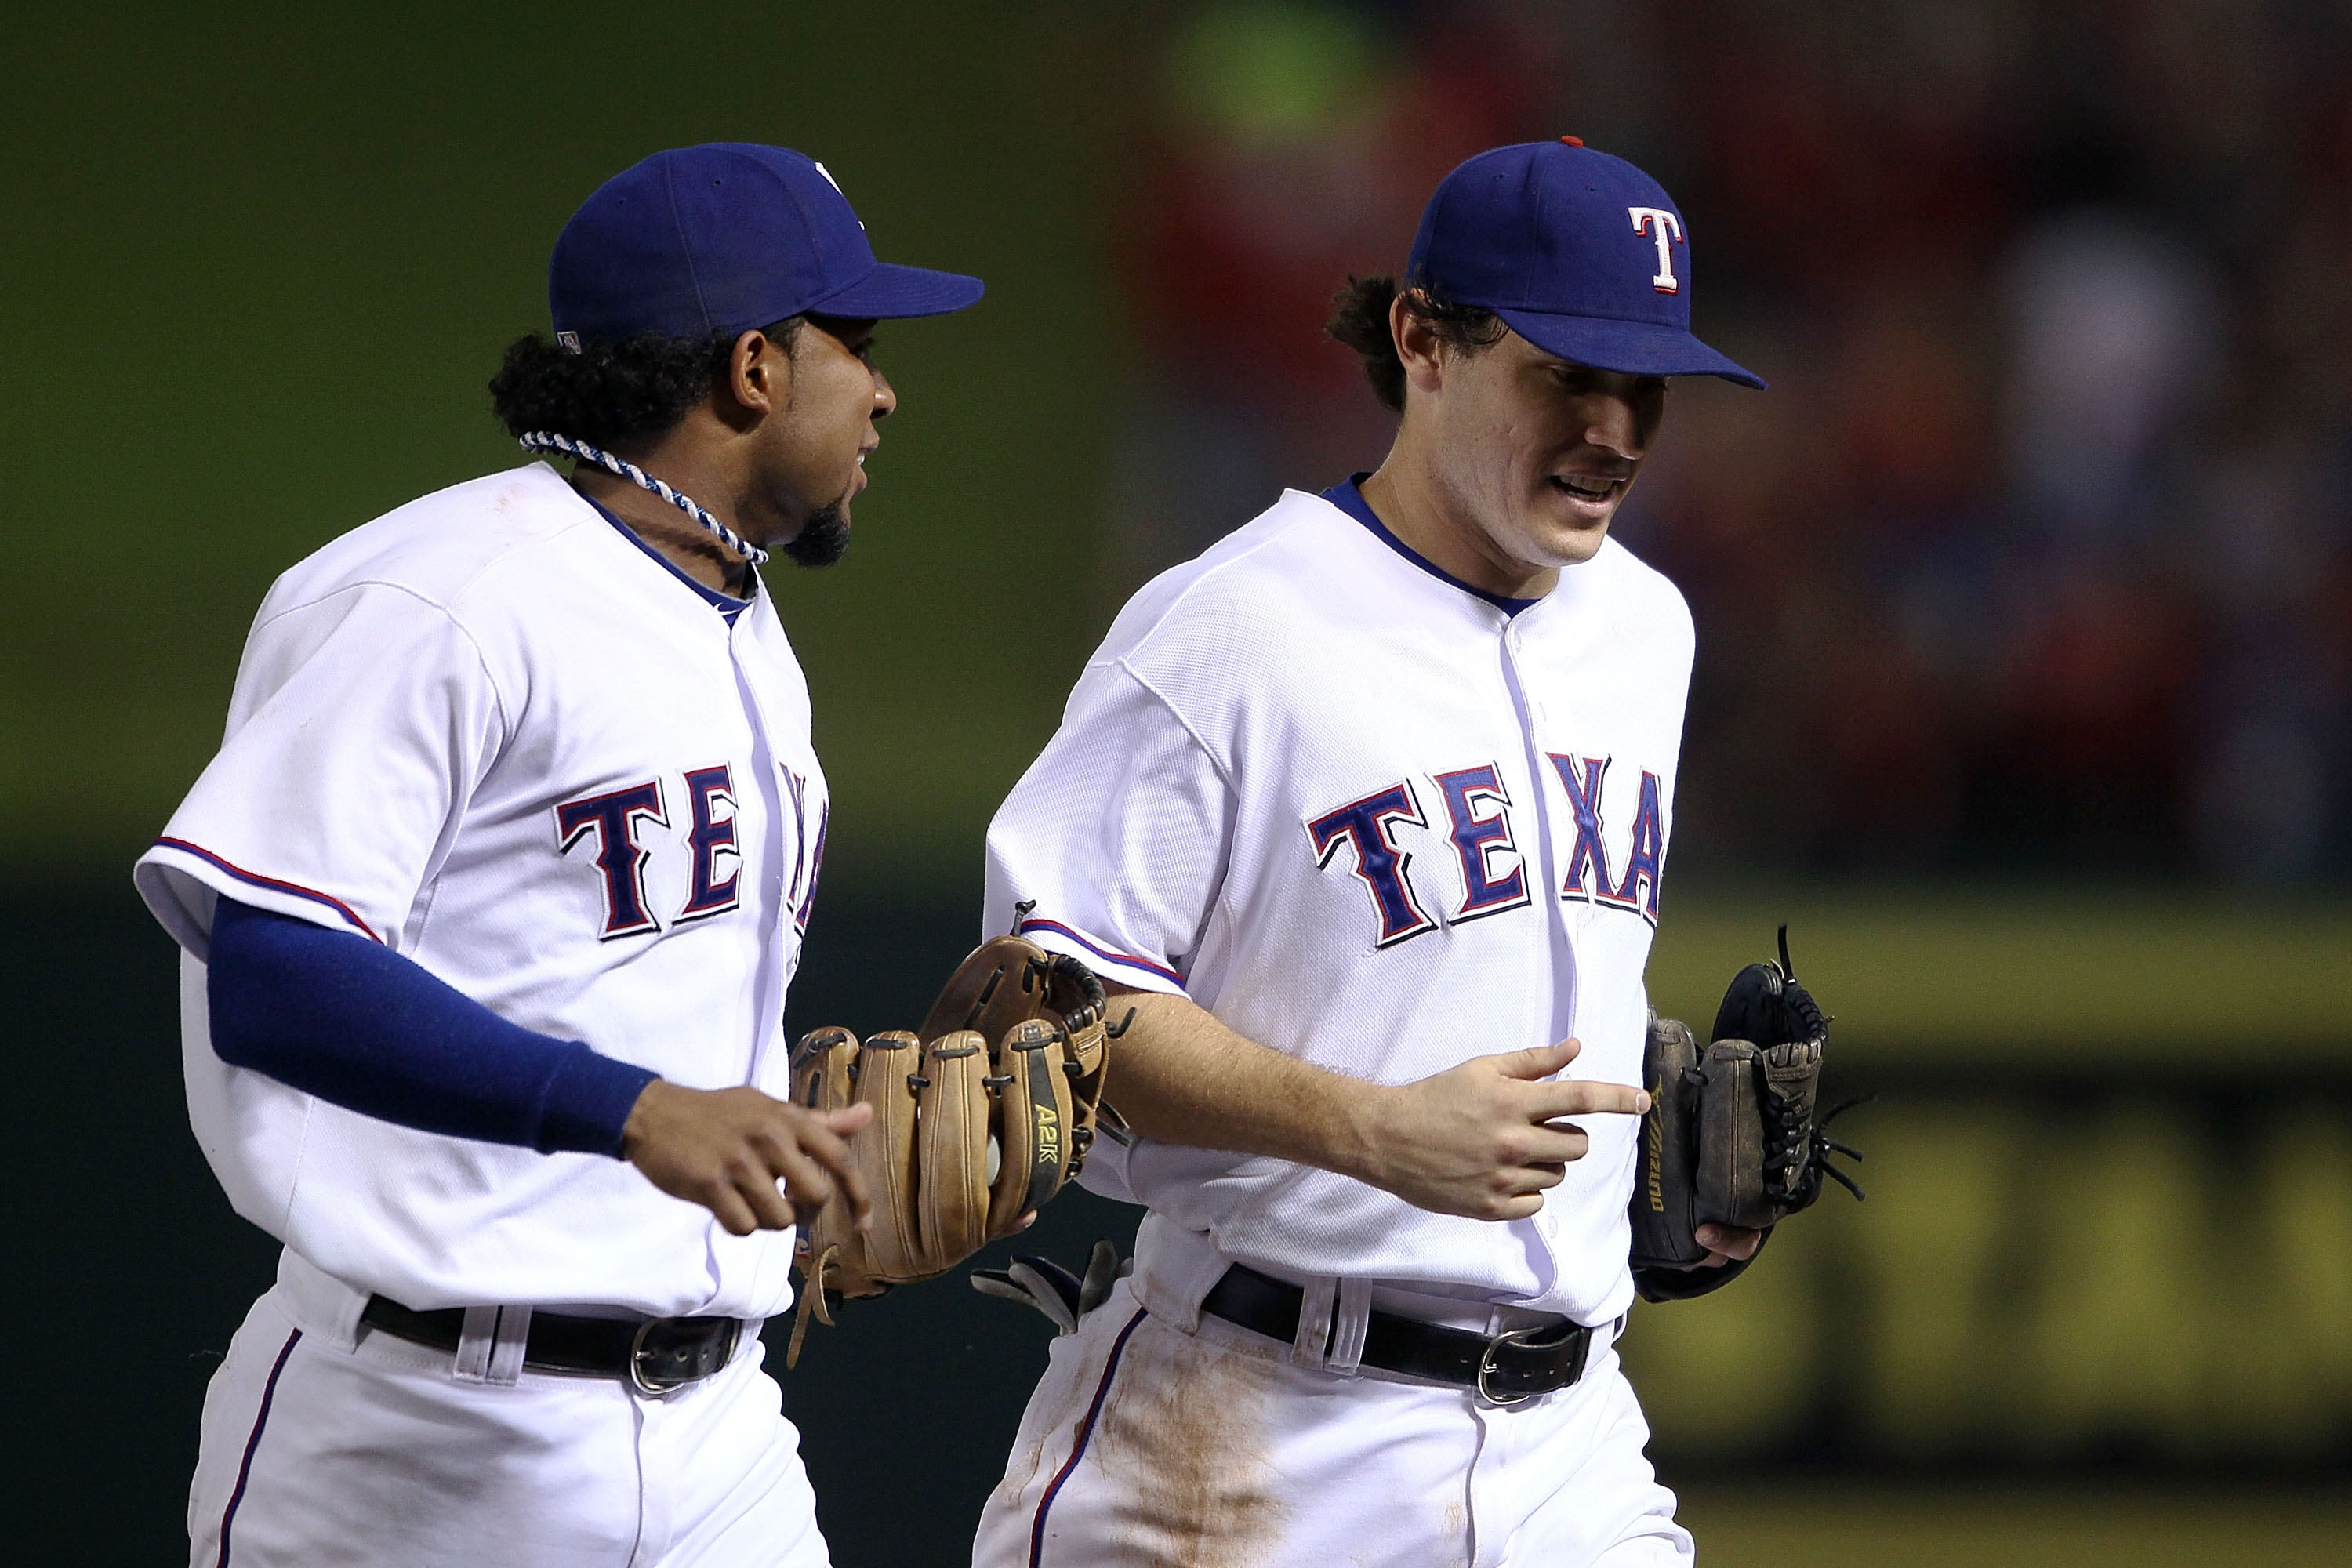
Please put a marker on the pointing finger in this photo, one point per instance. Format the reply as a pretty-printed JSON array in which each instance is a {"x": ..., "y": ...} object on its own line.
[{"x": 1579, "y": 1097}]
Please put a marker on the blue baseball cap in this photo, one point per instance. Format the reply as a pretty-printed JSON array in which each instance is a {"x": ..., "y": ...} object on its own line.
[
  {"x": 724, "y": 238},
  {"x": 1579, "y": 253}
]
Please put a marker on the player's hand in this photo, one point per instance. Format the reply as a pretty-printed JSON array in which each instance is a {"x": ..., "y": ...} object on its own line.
[
  {"x": 757, "y": 1162},
  {"x": 1484, "y": 1140}
]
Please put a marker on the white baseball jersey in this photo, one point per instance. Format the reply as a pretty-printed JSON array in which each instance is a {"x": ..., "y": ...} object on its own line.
[
  {"x": 497, "y": 733},
  {"x": 1372, "y": 818}
]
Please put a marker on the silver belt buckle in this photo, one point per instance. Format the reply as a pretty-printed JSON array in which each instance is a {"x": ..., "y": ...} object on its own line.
[
  {"x": 1486, "y": 1363},
  {"x": 639, "y": 1356}
]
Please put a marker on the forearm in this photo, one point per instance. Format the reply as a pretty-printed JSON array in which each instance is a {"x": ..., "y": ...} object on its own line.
[
  {"x": 1484, "y": 1139},
  {"x": 334, "y": 1014},
  {"x": 1181, "y": 1077}
]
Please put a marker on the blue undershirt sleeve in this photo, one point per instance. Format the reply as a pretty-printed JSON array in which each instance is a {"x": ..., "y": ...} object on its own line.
[{"x": 334, "y": 1014}]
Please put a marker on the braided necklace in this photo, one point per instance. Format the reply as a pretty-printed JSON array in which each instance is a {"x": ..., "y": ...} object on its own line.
[{"x": 549, "y": 441}]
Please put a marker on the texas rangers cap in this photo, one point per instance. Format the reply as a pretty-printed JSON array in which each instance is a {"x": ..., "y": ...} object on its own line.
[
  {"x": 724, "y": 238},
  {"x": 1579, "y": 253}
]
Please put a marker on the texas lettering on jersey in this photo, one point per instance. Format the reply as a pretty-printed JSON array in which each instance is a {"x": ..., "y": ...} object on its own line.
[
  {"x": 616, "y": 824},
  {"x": 1493, "y": 874}
]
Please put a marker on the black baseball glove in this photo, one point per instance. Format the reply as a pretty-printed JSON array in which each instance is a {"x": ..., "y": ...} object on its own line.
[{"x": 1731, "y": 1137}]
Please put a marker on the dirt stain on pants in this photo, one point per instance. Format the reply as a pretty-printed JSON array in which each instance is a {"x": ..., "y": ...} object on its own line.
[{"x": 1183, "y": 1441}]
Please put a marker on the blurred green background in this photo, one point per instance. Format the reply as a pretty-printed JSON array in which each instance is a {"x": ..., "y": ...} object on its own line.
[
  {"x": 260, "y": 267},
  {"x": 2022, "y": 602}
]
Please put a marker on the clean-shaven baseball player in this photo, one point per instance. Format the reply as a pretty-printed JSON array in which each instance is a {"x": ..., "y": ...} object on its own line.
[
  {"x": 1367, "y": 811},
  {"x": 489, "y": 902}
]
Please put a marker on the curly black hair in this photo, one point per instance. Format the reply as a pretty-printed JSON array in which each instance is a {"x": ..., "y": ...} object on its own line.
[
  {"x": 1360, "y": 318},
  {"x": 613, "y": 393}
]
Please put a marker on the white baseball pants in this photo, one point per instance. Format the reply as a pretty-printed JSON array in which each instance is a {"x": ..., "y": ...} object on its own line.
[
  {"x": 328, "y": 1445},
  {"x": 1145, "y": 1444}
]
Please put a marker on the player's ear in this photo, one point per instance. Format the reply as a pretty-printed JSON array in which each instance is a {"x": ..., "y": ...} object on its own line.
[
  {"x": 1418, "y": 347},
  {"x": 758, "y": 374}
]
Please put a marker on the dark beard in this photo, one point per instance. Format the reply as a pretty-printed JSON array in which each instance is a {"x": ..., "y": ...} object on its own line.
[{"x": 823, "y": 540}]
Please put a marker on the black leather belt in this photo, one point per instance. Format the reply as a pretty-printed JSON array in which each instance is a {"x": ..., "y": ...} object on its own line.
[
  {"x": 1505, "y": 1369},
  {"x": 653, "y": 1354}
]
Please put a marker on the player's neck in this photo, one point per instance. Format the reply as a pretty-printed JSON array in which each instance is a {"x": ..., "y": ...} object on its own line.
[
  {"x": 678, "y": 539},
  {"x": 1431, "y": 522}
]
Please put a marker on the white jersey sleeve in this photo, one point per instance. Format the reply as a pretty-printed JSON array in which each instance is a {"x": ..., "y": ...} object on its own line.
[
  {"x": 1112, "y": 847},
  {"x": 361, "y": 725}
]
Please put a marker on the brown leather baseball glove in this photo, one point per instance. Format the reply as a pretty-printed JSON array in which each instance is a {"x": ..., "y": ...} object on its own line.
[
  {"x": 1730, "y": 1137},
  {"x": 979, "y": 1118}
]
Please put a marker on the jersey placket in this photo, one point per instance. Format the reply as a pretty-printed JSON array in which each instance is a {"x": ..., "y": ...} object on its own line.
[
  {"x": 1532, "y": 713},
  {"x": 1560, "y": 931},
  {"x": 777, "y": 957}
]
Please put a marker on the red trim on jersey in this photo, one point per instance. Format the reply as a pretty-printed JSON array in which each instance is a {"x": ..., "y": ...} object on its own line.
[
  {"x": 1102, "y": 952},
  {"x": 275, "y": 884},
  {"x": 1085, "y": 1428},
  {"x": 245, "y": 1470}
]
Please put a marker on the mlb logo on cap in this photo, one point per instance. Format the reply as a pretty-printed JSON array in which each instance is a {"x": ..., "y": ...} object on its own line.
[{"x": 1579, "y": 253}]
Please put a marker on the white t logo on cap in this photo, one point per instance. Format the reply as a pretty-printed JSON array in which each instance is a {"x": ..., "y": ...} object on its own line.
[
  {"x": 1664, "y": 227},
  {"x": 835, "y": 185}
]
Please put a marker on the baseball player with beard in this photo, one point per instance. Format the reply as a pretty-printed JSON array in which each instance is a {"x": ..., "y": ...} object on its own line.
[
  {"x": 489, "y": 905},
  {"x": 1366, "y": 812}
]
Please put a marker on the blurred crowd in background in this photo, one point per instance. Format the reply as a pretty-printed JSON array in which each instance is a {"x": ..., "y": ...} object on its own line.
[{"x": 2037, "y": 556}]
